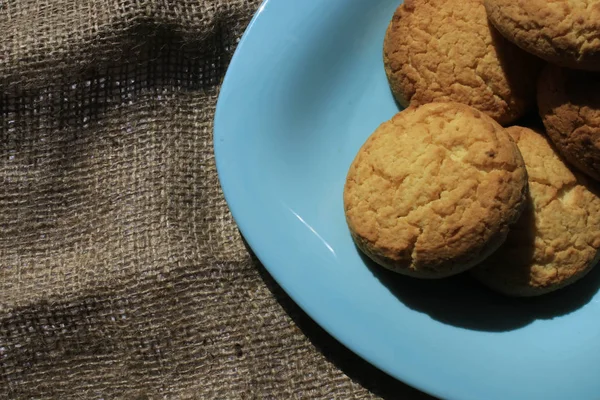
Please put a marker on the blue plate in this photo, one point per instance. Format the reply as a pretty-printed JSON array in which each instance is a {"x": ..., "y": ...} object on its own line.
[{"x": 305, "y": 88}]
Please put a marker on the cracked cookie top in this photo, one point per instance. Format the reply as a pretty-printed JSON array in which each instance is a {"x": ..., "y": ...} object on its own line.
[
  {"x": 563, "y": 32},
  {"x": 434, "y": 190},
  {"x": 569, "y": 104},
  {"x": 557, "y": 239},
  {"x": 445, "y": 50}
]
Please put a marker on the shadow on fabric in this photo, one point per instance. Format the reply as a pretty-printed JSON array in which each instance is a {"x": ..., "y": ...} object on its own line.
[{"x": 359, "y": 370}]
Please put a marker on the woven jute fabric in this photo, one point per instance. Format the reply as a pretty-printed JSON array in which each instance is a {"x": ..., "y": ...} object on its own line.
[{"x": 122, "y": 273}]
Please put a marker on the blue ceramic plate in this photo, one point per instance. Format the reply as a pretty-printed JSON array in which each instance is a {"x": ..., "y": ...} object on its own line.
[{"x": 305, "y": 88}]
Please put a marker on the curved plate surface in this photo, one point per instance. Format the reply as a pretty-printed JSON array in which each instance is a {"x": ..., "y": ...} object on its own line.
[{"x": 304, "y": 90}]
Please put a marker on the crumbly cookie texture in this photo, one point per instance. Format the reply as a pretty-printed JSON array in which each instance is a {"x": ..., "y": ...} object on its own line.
[
  {"x": 569, "y": 104},
  {"x": 557, "y": 239},
  {"x": 445, "y": 50},
  {"x": 433, "y": 191},
  {"x": 563, "y": 32}
]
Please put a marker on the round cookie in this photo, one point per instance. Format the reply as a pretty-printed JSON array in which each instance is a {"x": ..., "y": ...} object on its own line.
[
  {"x": 433, "y": 191},
  {"x": 563, "y": 32},
  {"x": 569, "y": 104},
  {"x": 557, "y": 239},
  {"x": 445, "y": 51}
]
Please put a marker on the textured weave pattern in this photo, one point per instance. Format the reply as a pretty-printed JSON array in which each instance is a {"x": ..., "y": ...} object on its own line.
[{"x": 122, "y": 274}]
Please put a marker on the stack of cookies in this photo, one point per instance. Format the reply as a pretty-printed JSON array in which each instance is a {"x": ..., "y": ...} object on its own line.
[{"x": 452, "y": 183}]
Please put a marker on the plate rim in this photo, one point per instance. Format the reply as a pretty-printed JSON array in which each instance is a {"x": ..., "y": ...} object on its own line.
[{"x": 239, "y": 220}]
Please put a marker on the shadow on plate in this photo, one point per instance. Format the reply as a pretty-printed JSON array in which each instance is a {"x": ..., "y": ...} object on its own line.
[{"x": 463, "y": 302}]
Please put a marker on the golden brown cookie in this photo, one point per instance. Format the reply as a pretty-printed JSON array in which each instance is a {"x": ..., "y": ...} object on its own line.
[
  {"x": 569, "y": 104},
  {"x": 563, "y": 32},
  {"x": 445, "y": 50},
  {"x": 433, "y": 191},
  {"x": 557, "y": 239}
]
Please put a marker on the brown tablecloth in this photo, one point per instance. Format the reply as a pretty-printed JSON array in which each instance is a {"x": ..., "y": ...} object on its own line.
[{"x": 122, "y": 274}]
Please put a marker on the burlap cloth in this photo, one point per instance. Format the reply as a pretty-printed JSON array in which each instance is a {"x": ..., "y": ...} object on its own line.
[{"x": 122, "y": 274}]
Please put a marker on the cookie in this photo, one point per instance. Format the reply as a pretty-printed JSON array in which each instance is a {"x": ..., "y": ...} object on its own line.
[
  {"x": 445, "y": 50},
  {"x": 557, "y": 239},
  {"x": 563, "y": 32},
  {"x": 569, "y": 104},
  {"x": 433, "y": 191}
]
